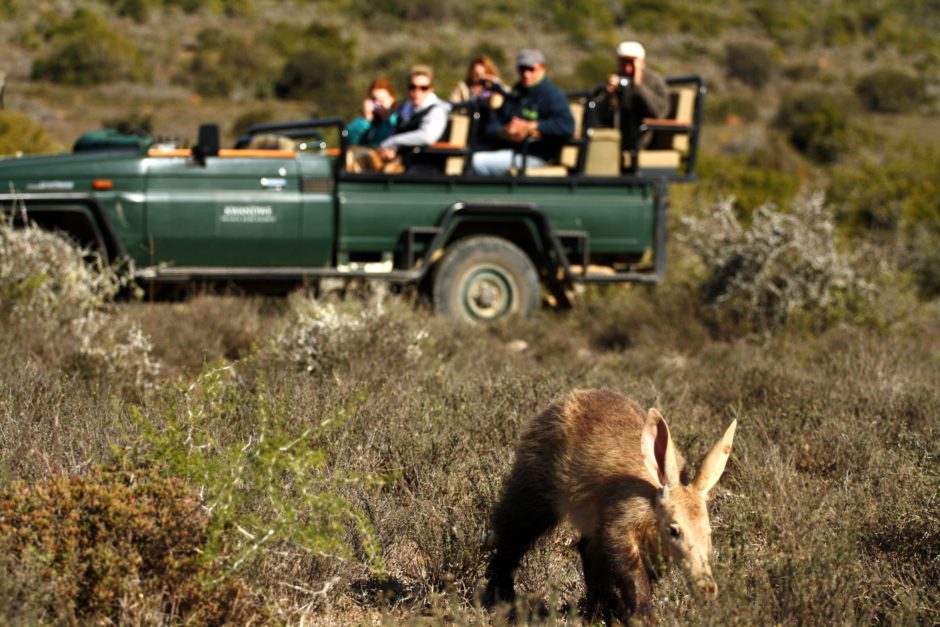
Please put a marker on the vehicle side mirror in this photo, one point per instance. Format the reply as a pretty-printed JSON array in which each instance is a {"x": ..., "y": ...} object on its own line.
[{"x": 208, "y": 145}]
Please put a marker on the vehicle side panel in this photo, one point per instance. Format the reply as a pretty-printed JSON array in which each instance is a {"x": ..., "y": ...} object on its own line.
[
  {"x": 373, "y": 215},
  {"x": 229, "y": 212},
  {"x": 56, "y": 174}
]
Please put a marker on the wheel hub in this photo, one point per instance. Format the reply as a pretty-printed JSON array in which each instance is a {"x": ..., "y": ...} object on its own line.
[{"x": 488, "y": 294}]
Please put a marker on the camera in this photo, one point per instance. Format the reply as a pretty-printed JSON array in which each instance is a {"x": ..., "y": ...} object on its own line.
[{"x": 625, "y": 81}]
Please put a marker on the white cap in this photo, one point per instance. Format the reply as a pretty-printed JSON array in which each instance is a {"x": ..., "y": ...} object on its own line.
[{"x": 632, "y": 49}]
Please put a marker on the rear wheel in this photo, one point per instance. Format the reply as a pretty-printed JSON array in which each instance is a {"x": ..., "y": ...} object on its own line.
[{"x": 484, "y": 279}]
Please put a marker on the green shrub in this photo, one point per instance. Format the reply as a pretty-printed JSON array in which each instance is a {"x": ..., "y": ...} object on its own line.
[
  {"x": 816, "y": 124},
  {"x": 755, "y": 179},
  {"x": 263, "y": 478},
  {"x": 321, "y": 70},
  {"x": 891, "y": 193},
  {"x": 590, "y": 71},
  {"x": 783, "y": 268},
  {"x": 787, "y": 24},
  {"x": 840, "y": 27},
  {"x": 230, "y": 8},
  {"x": 752, "y": 64},
  {"x": 229, "y": 65},
  {"x": 803, "y": 72},
  {"x": 923, "y": 259},
  {"x": 663, "y": 16},
  {"x": 84, "y": 50},
  {"x": 137, "y": 10},
  {"x": 133, "y": 122},
  {"x": 730, "y": 109},
  {"x": 10, "y": 8},
  {"x": 891, "y": 91},
  {"x": 391, "y": 13},
  {"x": 583, "y": 21},
  {"x": 892, "y": 188},
  {"x": 113, "y": 547},
  {"x": 249, "y": 118},
  {"x": 19, "y": 133}
]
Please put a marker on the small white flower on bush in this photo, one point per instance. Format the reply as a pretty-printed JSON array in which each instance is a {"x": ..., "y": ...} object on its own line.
[
  {"x": 318, "y": 335},
  {"x": 314, "y": 330},
  {"x": 63, "y": 291},
  {"x": 782, "y": 264},
  {"x": 44, "y": 275}
]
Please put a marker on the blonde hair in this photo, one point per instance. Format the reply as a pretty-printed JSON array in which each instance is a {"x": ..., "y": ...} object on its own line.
[{"x": 421, "y": 70}]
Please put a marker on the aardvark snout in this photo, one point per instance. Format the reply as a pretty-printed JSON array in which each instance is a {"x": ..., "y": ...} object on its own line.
[{"x": 708, "y": 587}]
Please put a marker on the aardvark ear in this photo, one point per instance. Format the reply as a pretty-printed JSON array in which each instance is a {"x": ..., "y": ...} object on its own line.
[
  {"x": 659, "y": 454},
  {"x": 714, "y": 463}
]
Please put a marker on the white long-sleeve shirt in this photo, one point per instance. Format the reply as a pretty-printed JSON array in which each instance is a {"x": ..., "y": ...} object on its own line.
[{"x": 432, "y": 125}]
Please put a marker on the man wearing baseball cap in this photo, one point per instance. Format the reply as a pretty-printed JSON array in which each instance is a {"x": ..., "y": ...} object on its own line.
[
  {"x": 534, "y": 108},
  {"x": 634, "y": 92}
]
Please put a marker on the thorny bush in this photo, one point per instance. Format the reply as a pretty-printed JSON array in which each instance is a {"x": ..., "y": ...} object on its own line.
[
  {"x": 65, "y": 295},
  {"x": 316, "y": 335},
  {"x": 112, "y": 547},
  {"x": 263, "y": 481},
  {"x": 785, "y": 266}
]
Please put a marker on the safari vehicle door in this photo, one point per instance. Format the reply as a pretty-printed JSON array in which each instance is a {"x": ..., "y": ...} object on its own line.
[{"x": 223, "y": 208}]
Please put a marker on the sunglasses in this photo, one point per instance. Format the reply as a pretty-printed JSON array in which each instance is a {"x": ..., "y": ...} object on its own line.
[
  {"x": 525, "y": 68},
  {"x": 412, "y": 87}
]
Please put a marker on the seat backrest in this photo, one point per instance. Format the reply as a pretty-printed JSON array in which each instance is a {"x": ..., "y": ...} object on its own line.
[
  {"x": 570, "y": 153},
  {"x": 603, "y": 152},
  {"x": 458, "y": 136},
  {"x": 271, "y": 141},
  {"x": 458, "y": 129},
  {"x": 682, "y": 111}
]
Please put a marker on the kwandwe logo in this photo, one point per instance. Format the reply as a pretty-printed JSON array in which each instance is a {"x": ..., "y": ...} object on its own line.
[
  {"x": 50, "y": 186},
  {"x": 248, "y": 214}
]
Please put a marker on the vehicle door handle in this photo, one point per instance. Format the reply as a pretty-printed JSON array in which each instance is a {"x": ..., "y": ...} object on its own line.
[{"x": 273, "y": 183}]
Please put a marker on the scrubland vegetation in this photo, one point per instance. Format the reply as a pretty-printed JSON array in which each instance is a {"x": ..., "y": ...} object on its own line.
[{"x": 234, "y": 459}]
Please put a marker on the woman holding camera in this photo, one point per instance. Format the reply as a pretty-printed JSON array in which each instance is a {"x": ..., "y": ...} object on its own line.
[
  {"x": 481, "y": 84},
  {"x": 379, "y": 116}
]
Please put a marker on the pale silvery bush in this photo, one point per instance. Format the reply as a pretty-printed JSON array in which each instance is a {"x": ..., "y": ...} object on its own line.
[
  {"x": 783, "y": 264},
  {"x": 317, "y": 334},
  {"x": 66, "y": 296},
  {"x": 43, "y": 275}
]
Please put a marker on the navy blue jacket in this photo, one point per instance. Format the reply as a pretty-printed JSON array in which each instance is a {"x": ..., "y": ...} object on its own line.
[{"x": 543, "y": 102}]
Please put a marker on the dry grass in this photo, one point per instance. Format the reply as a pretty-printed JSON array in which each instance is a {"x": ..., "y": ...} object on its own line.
[{"x": 828, "y": 511}]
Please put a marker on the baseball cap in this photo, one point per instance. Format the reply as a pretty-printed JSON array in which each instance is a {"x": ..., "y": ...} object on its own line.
[
  {"x": 530, "y": 57},
  {"x": 632, "y": 49}
]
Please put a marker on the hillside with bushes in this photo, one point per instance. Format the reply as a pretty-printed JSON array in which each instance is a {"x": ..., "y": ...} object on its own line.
[
  {"x": 802, "y": 95},
  {"x": 237, "y": 459}
]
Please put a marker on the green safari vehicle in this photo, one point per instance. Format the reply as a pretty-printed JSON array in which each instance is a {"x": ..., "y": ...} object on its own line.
[{"x": 286, "y": 205}]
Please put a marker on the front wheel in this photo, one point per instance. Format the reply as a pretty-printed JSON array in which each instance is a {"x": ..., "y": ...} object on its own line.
[{"x": 484, "y": 279}]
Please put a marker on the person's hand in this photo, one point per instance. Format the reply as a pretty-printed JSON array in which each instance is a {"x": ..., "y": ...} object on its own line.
[
  {"x": 368, "y": 109},
  {"x": 613, "y": 83},
  {"x": 517, "y": 130},
  {"x": 638, "y": 66},
  {"x": 387, "y": 154}
]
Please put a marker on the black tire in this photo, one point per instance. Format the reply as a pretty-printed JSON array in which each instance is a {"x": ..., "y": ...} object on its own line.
[{"x": 484, "y": 279}]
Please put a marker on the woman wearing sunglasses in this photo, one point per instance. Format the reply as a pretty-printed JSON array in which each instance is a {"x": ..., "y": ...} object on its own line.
[{"x": 422, "y": 119}]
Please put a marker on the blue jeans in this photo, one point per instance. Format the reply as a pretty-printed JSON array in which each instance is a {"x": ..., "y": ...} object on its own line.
[{"x": 498, "y": 162}]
